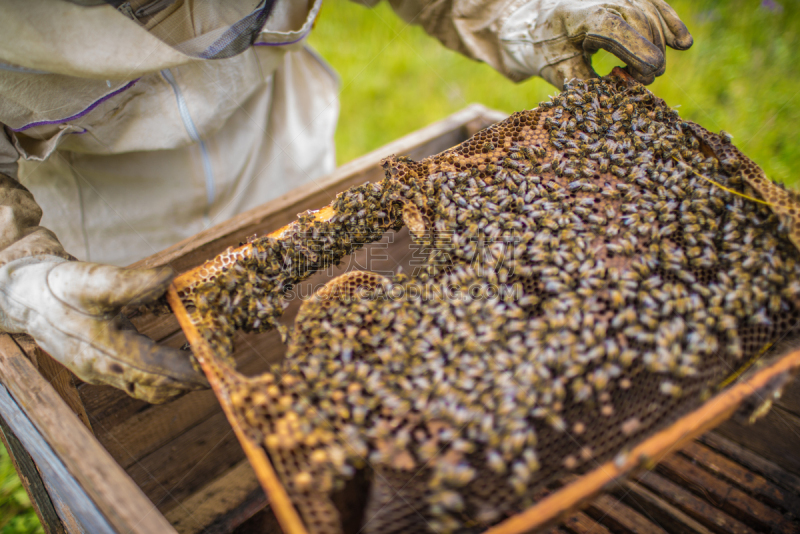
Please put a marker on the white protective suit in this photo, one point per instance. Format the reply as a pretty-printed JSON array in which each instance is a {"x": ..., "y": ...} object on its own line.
[
  {"x": 129, "y": 145},
  {"x": 138, "y": 124}
]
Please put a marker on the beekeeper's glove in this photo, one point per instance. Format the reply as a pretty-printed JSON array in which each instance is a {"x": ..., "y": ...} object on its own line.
[
  {"x": 555, "y": 39},
  {"x": 72, "y": 311}
]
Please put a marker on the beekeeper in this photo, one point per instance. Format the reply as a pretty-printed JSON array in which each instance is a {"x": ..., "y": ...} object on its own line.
[{"x": 129, "y": 126}]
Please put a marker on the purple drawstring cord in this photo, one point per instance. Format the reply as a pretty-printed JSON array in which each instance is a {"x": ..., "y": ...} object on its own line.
[{"x": 82, "y": 113}]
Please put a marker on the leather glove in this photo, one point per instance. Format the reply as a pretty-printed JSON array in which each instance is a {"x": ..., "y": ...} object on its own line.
[
  {"x": 555, "y": 39},
  {"x": 72, "y": 311}
]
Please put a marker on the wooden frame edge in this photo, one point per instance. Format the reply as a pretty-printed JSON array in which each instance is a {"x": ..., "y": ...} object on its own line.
[
  {"x": 31, "y": 477},
  {"x": 324, "y": 213},
  {"x": 282, "y": 506},
  {"x": 652, "y": 450},
  {"x": 109, "y": 487}
]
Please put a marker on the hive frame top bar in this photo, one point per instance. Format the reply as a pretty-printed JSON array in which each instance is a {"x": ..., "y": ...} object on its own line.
[{"x": 213, "y": 267}]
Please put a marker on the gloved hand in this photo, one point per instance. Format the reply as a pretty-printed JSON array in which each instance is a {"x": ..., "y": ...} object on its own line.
[
  {"x": 555, "y": 39},
  {"x": 72, "y": 310}
]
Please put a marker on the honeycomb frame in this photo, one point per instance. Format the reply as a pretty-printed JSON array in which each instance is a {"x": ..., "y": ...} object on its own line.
[{"x": 224, "y": 378}]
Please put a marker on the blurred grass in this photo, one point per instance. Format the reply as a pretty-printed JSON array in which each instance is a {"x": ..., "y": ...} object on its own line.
[
  {"x": 16, "y": 514},
  {"x": 741, "y": 76}
]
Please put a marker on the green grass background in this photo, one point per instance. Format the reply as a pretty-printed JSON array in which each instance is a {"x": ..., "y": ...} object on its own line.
[
  {"x": 16, "y": 514},
  {"x": 741, "y": 76}
]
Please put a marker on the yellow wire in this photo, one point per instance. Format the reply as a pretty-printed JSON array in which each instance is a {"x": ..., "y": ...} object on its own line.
[
  {"x": 720, "y": 185},
  {"x": 745, "y": 367}
]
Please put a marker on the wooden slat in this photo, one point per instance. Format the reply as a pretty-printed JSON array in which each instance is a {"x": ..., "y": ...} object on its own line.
[
  {"x": 697, "y": 508},
  {"x": 580, "y": 523},
  {"x": 725, "y": 496},
  {"x": 221, "y": 505},
  {"x": 753, "y": 461},
  {"x": 147, "y": 431},
  {"x": 790, "y": 400},
  {"x": 156, "y": 425},
  {"x": 156, "y": 327},
  {"x": 653, "y": 449},
  {"x": 745, "y": 479},
  {"x": 775, "y": 437},
  {"x": 175, "y": 471},
  {"x": 61, "y": 378},
  {"x": 263, "y": 522},
  {"x": 106, "y": 484},
  {"x": 619, "y": 518},
  {"x": 651, "y": 505},
  {"x": 73, "y": 506},
  {"x": 107, "y": 406}
]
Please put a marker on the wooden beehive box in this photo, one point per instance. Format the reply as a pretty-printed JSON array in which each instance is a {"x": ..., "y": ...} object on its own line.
[{"x": 96, "y": 460}]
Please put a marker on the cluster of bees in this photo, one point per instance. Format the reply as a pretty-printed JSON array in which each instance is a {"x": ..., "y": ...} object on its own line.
[
  {"x": 594, "y": 269},
  {"x": 249, "y": 295}
]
